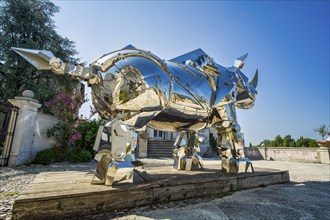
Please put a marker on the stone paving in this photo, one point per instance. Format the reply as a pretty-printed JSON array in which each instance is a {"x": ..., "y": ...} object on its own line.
[{"x": 307, "y": 196}]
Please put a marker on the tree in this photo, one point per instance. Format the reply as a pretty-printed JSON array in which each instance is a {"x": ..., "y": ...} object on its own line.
[
  {"x": 287, "y": 140},
  {"x": 29, "y": 24},
  {"x": 322, "y": 130},
  {"x": 306, "y": 142},
  {"x": 265, "y": 143},
  {"x": 278, "y": 141},
  {"x": 293, "y": 144}
]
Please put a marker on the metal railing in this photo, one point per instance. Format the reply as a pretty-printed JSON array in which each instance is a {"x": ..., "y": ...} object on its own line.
[{"x": 8, "y": 118}]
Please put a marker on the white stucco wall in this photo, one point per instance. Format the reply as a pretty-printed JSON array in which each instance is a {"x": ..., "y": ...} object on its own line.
[
  {"x": 309, "y": 155},
  {"x": 40, "y": 140},
  {"x": 31, "y": 131}
]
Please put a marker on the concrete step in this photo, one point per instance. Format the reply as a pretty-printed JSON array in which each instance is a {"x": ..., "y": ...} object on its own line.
[
  {"x": 160, "y": 155},
  {"x": 160, "y": 148}
]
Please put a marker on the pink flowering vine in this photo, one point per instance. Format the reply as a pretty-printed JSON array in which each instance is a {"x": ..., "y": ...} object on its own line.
[{"x": 66, "y": 107}]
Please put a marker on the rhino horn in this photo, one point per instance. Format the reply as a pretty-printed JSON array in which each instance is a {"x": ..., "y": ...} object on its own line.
[{"x": 254, "y": 81}]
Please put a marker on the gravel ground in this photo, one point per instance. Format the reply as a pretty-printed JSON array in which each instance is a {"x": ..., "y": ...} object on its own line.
[
  {"x": 305, "y": 197},
  {"x": 13, "y": 180}
]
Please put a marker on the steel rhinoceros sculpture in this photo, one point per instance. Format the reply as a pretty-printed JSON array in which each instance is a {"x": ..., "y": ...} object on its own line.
[{"x": 187, "y": 93}]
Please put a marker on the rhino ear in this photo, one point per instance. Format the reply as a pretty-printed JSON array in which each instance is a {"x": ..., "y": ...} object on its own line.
[
  {"x": 239, "y": 62},
  {"x": 254, "y": 81}
]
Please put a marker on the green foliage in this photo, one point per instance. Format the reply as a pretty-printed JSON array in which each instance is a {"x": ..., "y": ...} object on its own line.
[
  {"x": 213, "y": 143},
  {"x": 8, "y": 194},
  {"x": 56, "y": 154},
  {"x": 287, "y": 141},
  {"x": 76, "y": 155},
  {"x": 76, "y": 141},
  {"x": 29, "y": 24},
  {"x": 88, "y": 131},
  {"x": 306, "y": 142},
  {"x": 265, "y": 143},
  {"x": 45, "y": 157},
  {"x": 293, "y": 144},
  {"x": 278, "y": 141},
  {"x": 49, "y": 156},
  {"x": 65, "y": 106},
  {"x": 61, "y": 132},
  {"x": 123, "y": 96},
  {"x": 322, "y": 130}
]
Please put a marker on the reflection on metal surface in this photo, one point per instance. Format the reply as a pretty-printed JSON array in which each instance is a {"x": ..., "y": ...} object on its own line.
[
  {"x": 187, "y": 93},
  {"x": 186, "y": 152}
]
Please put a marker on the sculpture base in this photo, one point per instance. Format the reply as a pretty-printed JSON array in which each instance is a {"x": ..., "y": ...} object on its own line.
[{"x": 70, "y": 193}]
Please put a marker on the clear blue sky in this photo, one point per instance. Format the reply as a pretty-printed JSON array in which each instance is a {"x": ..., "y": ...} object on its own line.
[{"x": 287, "y": 41}]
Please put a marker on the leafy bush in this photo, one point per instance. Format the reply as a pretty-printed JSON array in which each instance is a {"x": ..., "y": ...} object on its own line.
[
  {"x": 65, "y": 106},
  {"x": 51, "y": 155},
  {"x": 76, "y": 138},
  {"x": 76, "y": 155},
  {"x": 213, "y": 143},
  {"x": 56, "y": 154},
  {"x": 88, "y": 131}
]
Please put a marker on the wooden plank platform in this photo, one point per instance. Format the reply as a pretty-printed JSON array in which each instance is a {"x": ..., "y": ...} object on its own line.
[{"x": 59, "y": 195}]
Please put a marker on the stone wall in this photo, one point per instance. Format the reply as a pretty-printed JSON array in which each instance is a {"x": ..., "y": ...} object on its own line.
[
  {"x": 254, "y": 153},
  {"x": 31, "y": 130},
  {"x": 309, "y": 155}
]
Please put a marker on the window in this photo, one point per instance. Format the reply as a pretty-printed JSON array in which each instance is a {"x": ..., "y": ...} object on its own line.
[{"x": 158, "y": 134}]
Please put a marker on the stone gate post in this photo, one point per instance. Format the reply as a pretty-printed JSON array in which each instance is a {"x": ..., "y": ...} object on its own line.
[{"x": 25, "y": 128}]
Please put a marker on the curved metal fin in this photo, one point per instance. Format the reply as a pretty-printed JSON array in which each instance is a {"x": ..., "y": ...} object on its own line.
[
  {"x": 254, "y": 81},
  {"x": 38, "y": 58},
  {"x": 239, "y": 62}
]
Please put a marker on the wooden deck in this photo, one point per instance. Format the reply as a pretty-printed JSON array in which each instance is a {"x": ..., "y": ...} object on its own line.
[{"x": 70, "y": 193}]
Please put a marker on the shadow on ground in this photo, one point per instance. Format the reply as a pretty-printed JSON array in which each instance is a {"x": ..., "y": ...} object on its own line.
[{"x": 295, "y": 200}]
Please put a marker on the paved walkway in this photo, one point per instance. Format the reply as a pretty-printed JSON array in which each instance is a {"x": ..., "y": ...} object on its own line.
[{"x": 307, "y": 196}]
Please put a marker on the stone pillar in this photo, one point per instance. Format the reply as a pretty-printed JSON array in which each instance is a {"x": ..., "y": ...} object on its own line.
[
  {"x": 205, "y": 144},
  {"x": 263, "y": 152},
  {"x": 324, "y": 155},
  {"x": 25, "y": 128},
  {"x": 143, "y": 148}
]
